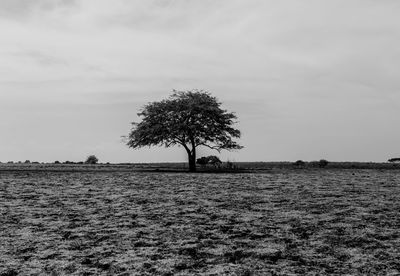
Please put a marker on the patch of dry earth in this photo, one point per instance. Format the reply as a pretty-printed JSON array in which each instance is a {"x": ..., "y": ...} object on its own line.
[{"x": 317, "y": 222}]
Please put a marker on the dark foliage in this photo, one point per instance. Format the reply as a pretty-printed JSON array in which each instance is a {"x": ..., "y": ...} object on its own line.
[
  {"x": 299, "y": 164},
  {"x": 231, "y": 166},
  {"x": 323, "y": 163},
  {"x": 202, "y": 161},
  {"x": 189, "y": 119},
  {"x": 92, "y": 159},
  {"x": 393, "y": 160},
  {"x": 209, "y": 160}
]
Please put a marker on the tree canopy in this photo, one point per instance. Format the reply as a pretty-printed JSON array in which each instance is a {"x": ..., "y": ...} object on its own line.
[
  {"x": 91, "y": 159},
  {"x": 189, "y": 119}
]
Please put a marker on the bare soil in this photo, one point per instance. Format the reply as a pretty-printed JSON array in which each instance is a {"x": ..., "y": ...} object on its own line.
[{"x": 295, "y": 222}]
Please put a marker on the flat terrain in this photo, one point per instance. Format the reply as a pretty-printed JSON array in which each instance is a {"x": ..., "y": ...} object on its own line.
[{"x": 287, "y": 222}]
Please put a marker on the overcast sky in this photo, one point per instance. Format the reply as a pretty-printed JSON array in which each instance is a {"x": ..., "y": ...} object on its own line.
[{"x": 308, "y": 79}]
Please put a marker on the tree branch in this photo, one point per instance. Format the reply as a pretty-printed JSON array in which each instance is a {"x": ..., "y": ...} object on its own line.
[
  {"x": 211, "y": 147},
  {"x": 186, "y": 147}
]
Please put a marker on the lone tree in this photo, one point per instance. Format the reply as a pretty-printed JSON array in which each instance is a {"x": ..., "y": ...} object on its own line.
[
  {"x": 189, "y": 119},
  {"x": 92, "y": 159}
]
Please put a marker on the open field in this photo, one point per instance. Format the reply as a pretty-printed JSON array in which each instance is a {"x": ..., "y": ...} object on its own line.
[{"x": 285, "y": 222}]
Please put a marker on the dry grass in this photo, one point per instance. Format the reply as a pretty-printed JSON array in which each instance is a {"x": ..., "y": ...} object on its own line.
[{"x": 286, "y": 223}]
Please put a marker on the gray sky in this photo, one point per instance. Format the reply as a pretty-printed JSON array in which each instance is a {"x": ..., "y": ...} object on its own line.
[{"x": 308, "y": 79}]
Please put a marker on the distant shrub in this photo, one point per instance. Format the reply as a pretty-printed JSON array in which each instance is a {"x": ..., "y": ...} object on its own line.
[
  {"x": 80, "y": 162},
  {"x": 68, "y": 162},
  {"x": 10, "y": 162},
  {"x": 214, "y": 160},
  {"x": 323, "y": 163},
  {"x": 394, "y": 160},
  {"x": 56, "y": 162},
  {"x": 231, "y": 166},
  {"x": 209, "y": 160},
  {"x": 299, "y": 164},
  {"x": 92, "y": 159},
  {"x": 202, "y": 161},
  {"x": 27, "y": 162}
]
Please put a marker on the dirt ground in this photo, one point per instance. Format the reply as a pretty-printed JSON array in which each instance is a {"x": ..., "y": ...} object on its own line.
[{"x": 314, "y": 222}]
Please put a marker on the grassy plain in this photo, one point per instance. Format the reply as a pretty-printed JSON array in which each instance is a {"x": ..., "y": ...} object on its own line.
[{"x": 282, "y": 222}]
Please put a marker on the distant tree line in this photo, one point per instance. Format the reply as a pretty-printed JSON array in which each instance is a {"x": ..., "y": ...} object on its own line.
[{"x": 91, "y": 159}]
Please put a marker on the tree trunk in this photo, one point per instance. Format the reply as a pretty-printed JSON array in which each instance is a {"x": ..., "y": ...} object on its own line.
[
  {"x": 191, "y": 156},
  {"x": 192, "y": 161}
]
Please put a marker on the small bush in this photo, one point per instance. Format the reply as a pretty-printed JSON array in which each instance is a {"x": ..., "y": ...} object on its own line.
[
  {"x": 92, "y": 159},
  {"x": 323, "y": 163},
  {"x": 231, "y": 166},
  {"x": 56, "y": 162},
  {"x": 394, "y": 160},
  {"x": 299, "y": 164},
  {"x": 214, "y": 160},
  {"x": 209, "y": 160},
  {"x": 202, "y": 161}
]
